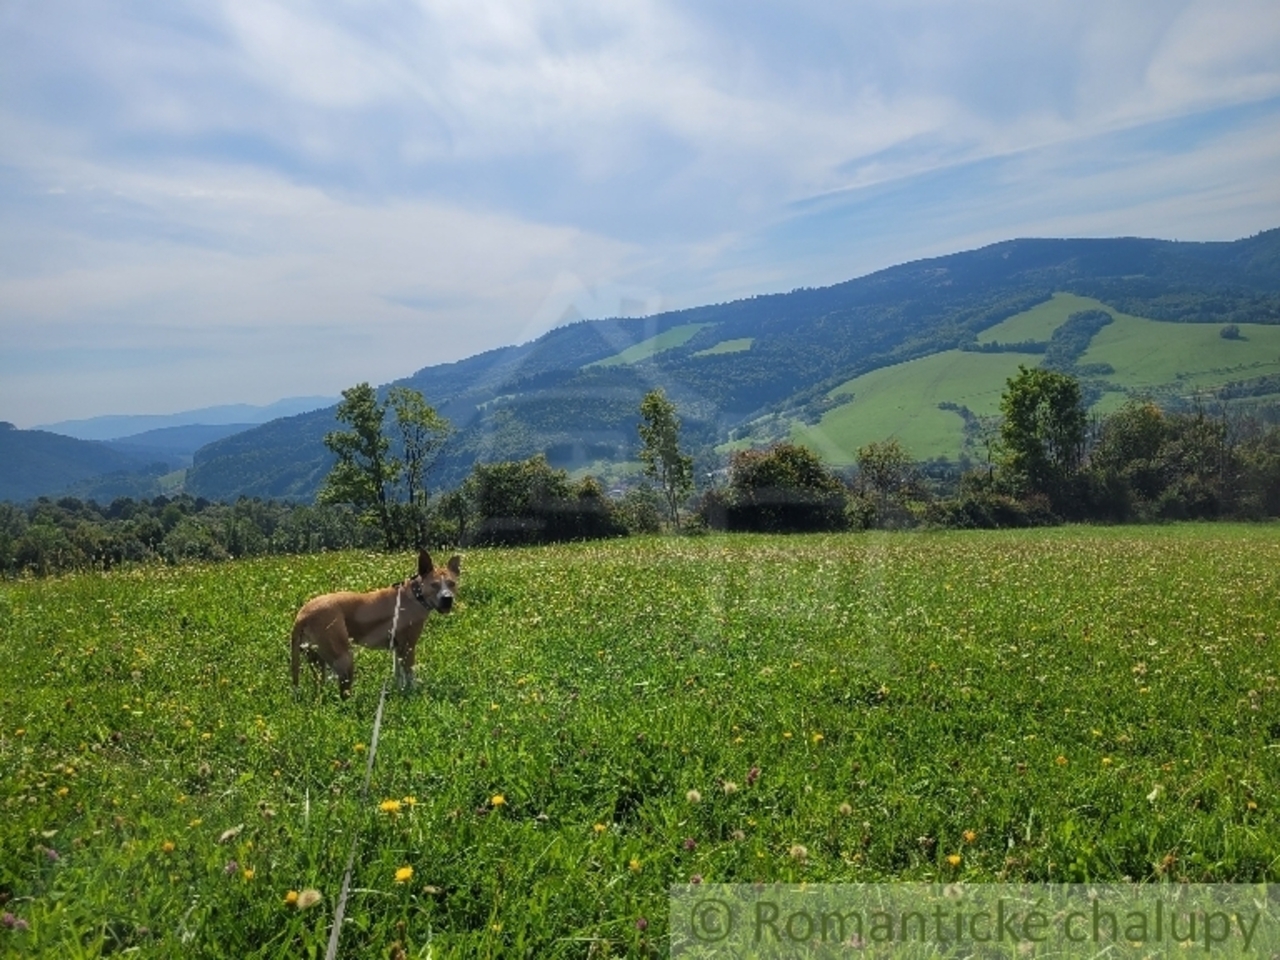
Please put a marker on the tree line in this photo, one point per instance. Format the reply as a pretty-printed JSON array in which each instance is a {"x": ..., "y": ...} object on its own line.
[{"x": 1049, "y": 463}]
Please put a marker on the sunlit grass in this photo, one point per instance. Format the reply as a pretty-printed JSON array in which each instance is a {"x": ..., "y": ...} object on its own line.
[{"x": 597, "y": 722}]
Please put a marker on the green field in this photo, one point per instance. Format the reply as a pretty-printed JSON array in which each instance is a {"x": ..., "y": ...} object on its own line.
[
  {"x": 1040, "y": 321},
  {"x": 1148, "y": 357},
  {"x": 902, "y": 402},
  {"x": 646, "y": 349},
  {"x": 598, "y": 722},
  {"x": 739, "y": 345}
]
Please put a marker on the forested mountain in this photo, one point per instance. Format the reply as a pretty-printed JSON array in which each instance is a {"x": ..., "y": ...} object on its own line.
[
  {"x": 36, "y": 462},
  {"x": 785, "y": 359},
  {"x": 735, "y": 362}
]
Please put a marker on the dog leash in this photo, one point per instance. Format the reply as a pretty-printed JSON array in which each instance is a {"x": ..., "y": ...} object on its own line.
[{"x": 335, "y": 934}]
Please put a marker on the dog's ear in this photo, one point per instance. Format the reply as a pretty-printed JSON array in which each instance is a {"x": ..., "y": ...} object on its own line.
[
  {"x": 424, "y": 564},
  {"x": 455, "y": 565}
]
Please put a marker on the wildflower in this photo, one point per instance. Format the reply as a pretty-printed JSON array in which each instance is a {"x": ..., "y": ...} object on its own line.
[
  {"x": 20, "y": 732},
  {"x": 389, "y": 806},
  {"x": 248, "y": 874},
  {"x": 846, "y": 810},
  {"x": 818, "y": 738},
  {"x": 953, "y": 860},
  {"x": 786, "y": 735},
  {"x": 730, "y": 787},
  {"x": 404, "y": 874},
  {"x": 231, "y": 868},
  {"x": 291, "y": 898},
  {"x": 1061, "y": 761},
  {"x": 634, "y": 866},
  {"x": 196, "y": 822},
  {"x": 498, "y": 800},
  {"x": 690, "y": 843},
  {"x": 308, "y": 898},
  {"x": 599, "y": 828},
  {"x": 693, "y": 796},
  {"x": 642, "y": 924},
  {"x": 52, "y": 854},
  {"x": 1106, "y": 761},
  {"x": 168, "y": 846},
  {"x": 753, "y": 775},
  {"x": 799, "y": 852},
  {"x": 409, "y": 801},
  {"x": 696, "y": 878},
  {"x": 969, "y": 836},
  {"x": 359, "y": 748}
]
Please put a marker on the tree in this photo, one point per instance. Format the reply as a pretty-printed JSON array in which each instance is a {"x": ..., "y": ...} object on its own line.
[
  {"x": 423, "y": 433},
  {"x": 888, "y": 477},
  {"x": 785, "y": 489},
  {"x": 1043, "y": 431},
  {"x": 365, "y": 467},
  {"x": 660, "y": 453}
]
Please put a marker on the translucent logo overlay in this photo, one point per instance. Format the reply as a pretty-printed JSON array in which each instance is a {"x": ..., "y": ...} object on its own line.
[{"x": 975, "y": 920}]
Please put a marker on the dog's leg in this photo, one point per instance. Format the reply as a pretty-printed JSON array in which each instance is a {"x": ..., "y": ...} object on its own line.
[
  {"x": 295, "y": 654},
  {"x": 406, "y": 655},
  {"x": 345, "y": 668}
]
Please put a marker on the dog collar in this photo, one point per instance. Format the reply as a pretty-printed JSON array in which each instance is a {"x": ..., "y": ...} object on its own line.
[{"x": 416, "y": 584}]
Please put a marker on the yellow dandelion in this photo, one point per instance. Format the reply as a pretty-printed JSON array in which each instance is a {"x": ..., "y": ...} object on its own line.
[
  {"x": 599, "y": 828},
  {"x": 634, "y": 865},
  {"x": 1107, "y": 761},
  {"x": 20, "y": 732},
  {"x": 63, "y": 791},
  {"x": 358, "y": 748},
  {"x": 196, "y": 822},
  {"x": 389, "y": 806},
  {"x": 291, "y": 898},
  {"x": 818, "y": 738},
  {"x": 498, "y": 800},
  {"x": 248, "y": 874},
  {"x": 409, "y": 801},
  {"x": 786, "y": 735},
  {"x": 953, "y": 860},
  {"x": 1061, "y": 760},
  {"x": 404, "y": 874},
  {"x": 168, "y": 846},
  {"x": 969, "y": 836}
]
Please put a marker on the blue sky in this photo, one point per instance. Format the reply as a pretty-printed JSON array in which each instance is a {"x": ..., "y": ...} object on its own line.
[{"x": 242, "y": 200}]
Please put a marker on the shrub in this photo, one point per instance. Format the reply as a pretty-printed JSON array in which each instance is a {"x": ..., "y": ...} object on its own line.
[{"x": 785, "y": 489}]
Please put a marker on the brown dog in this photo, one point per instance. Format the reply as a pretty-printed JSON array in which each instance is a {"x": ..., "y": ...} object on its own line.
[{"x": 327, "y": 625}]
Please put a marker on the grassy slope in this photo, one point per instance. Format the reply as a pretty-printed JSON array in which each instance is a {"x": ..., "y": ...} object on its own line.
[
  {"x": 739, "y": 345},
  {"x": 1148, "y": 355},
  {"x": 667, "y": 340},
  {"x": 1040, "y": 321},
  {"x": 902, "y": 401},
  {"x": 1018, "y": 700}
]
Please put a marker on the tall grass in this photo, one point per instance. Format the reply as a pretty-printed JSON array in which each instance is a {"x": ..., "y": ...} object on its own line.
[{"x": 597, "y": 722}]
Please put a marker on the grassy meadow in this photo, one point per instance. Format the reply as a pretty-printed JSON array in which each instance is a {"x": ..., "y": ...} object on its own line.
[{"x": 596, "y": 722}]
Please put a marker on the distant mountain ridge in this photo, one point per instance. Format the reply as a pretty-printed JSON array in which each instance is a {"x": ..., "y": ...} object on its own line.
[{"x": 123, "y": 426}]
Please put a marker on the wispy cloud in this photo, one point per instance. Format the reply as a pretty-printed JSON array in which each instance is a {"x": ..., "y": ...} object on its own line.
[{"x": 325, "y": 193}]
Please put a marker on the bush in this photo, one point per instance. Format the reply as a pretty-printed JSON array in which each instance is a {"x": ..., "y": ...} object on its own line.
[
  {"x": 520, "y": 502},
  {"x": 785, "y": 489}
]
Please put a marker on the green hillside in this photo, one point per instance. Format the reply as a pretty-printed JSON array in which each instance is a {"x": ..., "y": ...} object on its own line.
[
  {"x": 902, "y": 402},
  {"x": 1188, "y": 356},
  {"x": 1040, "y": 321},
  {"x": 1148, "y": 357},
  {"x": 647, "y": 349}
]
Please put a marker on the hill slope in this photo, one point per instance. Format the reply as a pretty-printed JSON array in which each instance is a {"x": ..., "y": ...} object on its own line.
[
  {"x": 574, "y": 392},
  {"x": 38, "y": 463}
]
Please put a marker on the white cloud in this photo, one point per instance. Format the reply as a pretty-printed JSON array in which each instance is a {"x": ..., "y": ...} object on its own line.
[{"x": 233, "y": 171}]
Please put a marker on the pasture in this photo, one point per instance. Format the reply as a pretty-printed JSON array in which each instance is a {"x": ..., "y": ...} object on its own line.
[{"x": 596, "y": 722}]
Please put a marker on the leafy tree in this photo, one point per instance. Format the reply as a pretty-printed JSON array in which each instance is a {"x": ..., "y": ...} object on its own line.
[
  {"x": 365, "y": 467},
  {"x": 1043, "y": 432},
  {"x": 783, "y": 489},
  {"x": 423, "y": 433},
  {"x": 888, "y": 477},
  {"x": 660, "y": 453}
]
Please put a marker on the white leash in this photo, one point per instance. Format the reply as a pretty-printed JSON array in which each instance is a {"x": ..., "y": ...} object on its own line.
[{"x": 335, "y": 934}]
